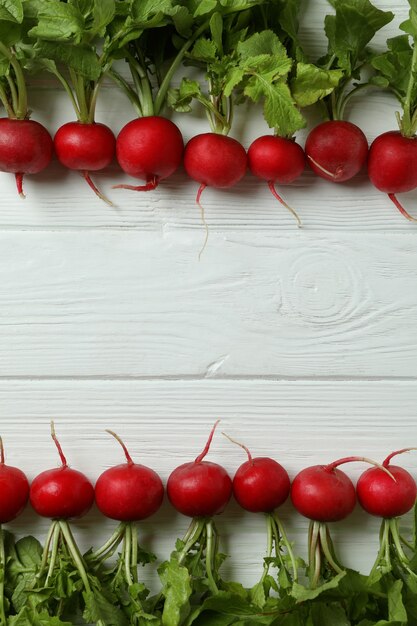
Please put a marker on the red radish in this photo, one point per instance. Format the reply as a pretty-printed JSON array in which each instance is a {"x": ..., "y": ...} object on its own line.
[
  {"x": 379, "y": 495},
  {"x": 261, "y": 485},
  {"x": 215, "y": 160},
  {"x": 200, "y": 488},
  {"x": 323, "y": 493},
  {"x": 61, "y": 493},
  {"x": 336, "y": 150},
  {"x": 277, "y": 160},
  {"x": 392, "y": 166},
  {"x": 86, "y": 147},
  {"x": 26, "y": 147},
  {"x": 149, "y": 148},
  {"x": 389, "y": 498},
  {"x": 14, "y": 490},
  {"x": 128, "y": 492}
]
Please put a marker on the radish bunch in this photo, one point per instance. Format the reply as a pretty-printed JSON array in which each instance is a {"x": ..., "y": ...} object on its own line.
[
  {"x": 323, "y": 494},
  {"x": 25, "y": 145},
  {"x": 261, "y": 485},
  {"x": 128, "y": 493},
  {"x": 337, "y": 149},
  {"x": 392, "y": 158}
]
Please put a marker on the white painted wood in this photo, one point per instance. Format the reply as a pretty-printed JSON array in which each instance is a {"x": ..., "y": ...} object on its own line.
[
  {"x": 140, "y": 304},
  {"x": 165, "y": 423}
]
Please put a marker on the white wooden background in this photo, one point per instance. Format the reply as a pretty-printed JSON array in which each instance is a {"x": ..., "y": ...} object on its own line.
[{"x": 304, "y": 342}]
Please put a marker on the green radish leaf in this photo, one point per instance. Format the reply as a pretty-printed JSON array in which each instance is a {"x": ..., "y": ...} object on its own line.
[
  {"x": 329, "y": 614},
  {"x": 204, "y": 7},
  {"x": 102, "y": 14},
  {"x": 97, "y": 607},
  {"x": 301, "y": 594},
  {"x": 58, "y": 21},
  {"x": 312, "y": 83},
  {"x": 177, "y": 591},
  {"x": 180, "y": 99},
  {"x": 204, "y": 50},
  {"x": 11, "y": 11},
  {"x": 396, "y": 608},
  {"x": 10, "y": 34},
  {"x": 80, "y": 58},
  {"x": 216, "y": 30},
  {"x": 279, "y": 108},
  {"x": 351, "y": 29},
  {"x": 142, "y": 10},
  {"x": 394, "y": 65}
]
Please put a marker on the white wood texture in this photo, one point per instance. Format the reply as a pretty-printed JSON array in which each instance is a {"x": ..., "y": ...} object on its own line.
[{"x": 304, "y": 341}]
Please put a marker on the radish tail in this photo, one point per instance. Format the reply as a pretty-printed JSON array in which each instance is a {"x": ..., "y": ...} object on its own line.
[
  {"x": 98, "y": 193},
  {"x": 151, "y": 184},
  {"x": 203, "y": 217},
  {"x": 287, "y": 206},
  {"x": 321, "y": 168},
  {"x": 400, "y": 207},
  {"x": 19, "y": 184}
]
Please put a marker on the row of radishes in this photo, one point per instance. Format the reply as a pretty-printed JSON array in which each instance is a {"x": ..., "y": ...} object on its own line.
[
  {"x": 248, "y": 51},
  {"x": 132, "y": 492},
  {"x": 152, "y": 149},
  {"x": 199, "y": 489}
]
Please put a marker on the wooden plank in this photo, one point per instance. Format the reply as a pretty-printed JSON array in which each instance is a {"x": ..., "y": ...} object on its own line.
[
  {"x": 165, "y": 423},
  {"x": 131, "y": 304}
]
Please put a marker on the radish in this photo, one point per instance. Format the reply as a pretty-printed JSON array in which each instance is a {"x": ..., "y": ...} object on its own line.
[
  {"x": 392, "y": 165},
  {"x": 14, "y": 494},
  {"x": 149, "y": 148},
  {"x": 214, "y": 160},
  {"x": 336, "y": 150},
  {"x": 62, "y": 494},
  {"x": 323, "y": 493},
  {"x": 26, "y": 146},
  {"x": 261, "y": 485},
  {"x": 85, "y": 147},
  {"x": 14, "y": 490},
  {"x": 200, "y": 489},
  {"x": 277, "y": 160},
  {"x": 129, "y": 493},
  {"x": 79, "y": 60},
  {"x": 379, "y": 495}
]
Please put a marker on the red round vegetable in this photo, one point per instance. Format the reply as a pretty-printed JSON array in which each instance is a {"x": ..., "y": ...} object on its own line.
[
  {"x": 277, "y": 160},
  {"x": 128, "y": 492},
  {"x": 215, "y": 160},
  {"x": 392, "y": 166},
  {"x": 14, "y": 490},
  {"x": 380, "y": 495},
  {"x": 86, "y": 148},
  {"x": 323, "y": 493},
  {"x": 149, "y": 148},
  {"x": 260, "y": 485},
  {"x": 26, "y": 147},
  {"x": 200, "y": 488},
  {"x": 62, "y": 492},
  {"x": 336, "y": 150}
]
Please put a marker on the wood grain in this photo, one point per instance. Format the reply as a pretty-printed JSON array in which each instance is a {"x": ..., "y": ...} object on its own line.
[{"x": 129, "y": 304}]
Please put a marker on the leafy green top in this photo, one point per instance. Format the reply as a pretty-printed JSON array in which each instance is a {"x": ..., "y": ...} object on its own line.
[
  {"x": 397, "y": 70},
  {"x": 349, "y": 32}
]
